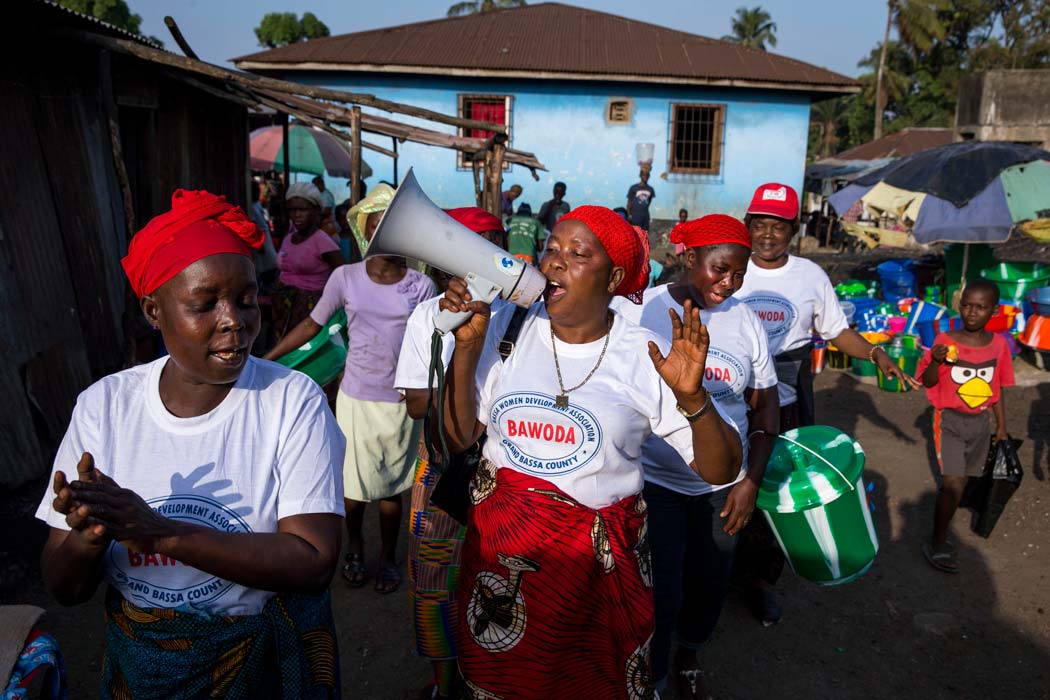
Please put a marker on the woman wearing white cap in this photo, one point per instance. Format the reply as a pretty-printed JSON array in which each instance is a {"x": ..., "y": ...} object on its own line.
[{"x": 795, "y": 300}]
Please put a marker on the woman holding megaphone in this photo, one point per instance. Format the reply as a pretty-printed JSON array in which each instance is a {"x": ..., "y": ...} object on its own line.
[{"x": 556, "y": 588}]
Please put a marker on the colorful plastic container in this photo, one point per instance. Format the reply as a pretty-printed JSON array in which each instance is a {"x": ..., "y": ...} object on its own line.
[
  {"x": 1003, "y": 319},
  {"x": 322, "y": 357},
  {"x": 897, "y": 279},
  {"x": 1040, "y": 300},
  {"x": 1014, "y": 280},
  {"x": 907, "y": 359},
  {"x": 813, "y": 497},
  {"x": 1036, "y": 333}
]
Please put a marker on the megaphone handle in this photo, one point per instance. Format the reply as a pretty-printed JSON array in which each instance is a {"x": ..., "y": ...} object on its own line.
[{"x": 480, "y": 290}]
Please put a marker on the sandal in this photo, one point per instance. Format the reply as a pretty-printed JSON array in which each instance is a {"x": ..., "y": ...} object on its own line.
[
  {"x": 354, "y": 570},
  {"x": 692, "y": 686},
  {"x": 388, "y": 579},
  {"x": 941, "y": 558}
]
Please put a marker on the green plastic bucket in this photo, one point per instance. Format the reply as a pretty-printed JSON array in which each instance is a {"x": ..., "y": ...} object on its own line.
[
  {"x": 1014, "y": 280},
  {"x": 864, "y": 368},
  {"x": 813, "y": 497},
  {"x": 322, "y": 357},
  {"x": 907, "y": 359}
]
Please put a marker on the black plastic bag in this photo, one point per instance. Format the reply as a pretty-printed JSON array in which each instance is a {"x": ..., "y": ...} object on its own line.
[{"x": 988, "y": 494}]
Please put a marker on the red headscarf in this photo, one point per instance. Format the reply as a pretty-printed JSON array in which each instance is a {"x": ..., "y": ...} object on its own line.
[
  {"x": 712, "y": 229},
  {"x": 627, "y": 246},
  {"x": 199, "y": 224},
  {"x": 476, "y": 219}
]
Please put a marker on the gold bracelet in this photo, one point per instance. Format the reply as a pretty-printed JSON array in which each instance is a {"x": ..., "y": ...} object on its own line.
[{"x": 871, "y": 353}]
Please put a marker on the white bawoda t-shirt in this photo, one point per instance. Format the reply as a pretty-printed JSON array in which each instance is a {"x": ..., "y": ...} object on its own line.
[
  {"x": 793, "y": 302},
  {"x": 413, "y": 363},
  {"x": 592, "y": 449},
  {"x": 738, "y": 359},
  {"x": 270, "y": 450}
]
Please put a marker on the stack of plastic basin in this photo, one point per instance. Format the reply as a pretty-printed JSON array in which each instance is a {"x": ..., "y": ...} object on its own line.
[
  {"x": 864, "y": 312},
  {"x": 907, "y": 359},
  {"x": 323, "y": 356},
  {"x": 867, "y": 368},
  {"x": 1003, "y": 318},
  {"x": 898, "y": 280},
  {"x": 849, "y": 310},
  {"x": 923, "y": 311},
  {"x": 1015, "y": 280},
  {"x": 928, "y": 330}
]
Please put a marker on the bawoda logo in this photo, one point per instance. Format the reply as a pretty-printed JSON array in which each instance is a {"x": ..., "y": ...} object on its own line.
[
  {"x": 159, "y": 581},
  {"x": 776, "y": 313},
  {"x": 541, "y": 438},
  {"x": 723, "y": 375}
]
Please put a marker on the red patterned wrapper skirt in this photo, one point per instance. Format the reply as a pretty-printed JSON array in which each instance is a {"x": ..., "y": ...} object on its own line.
[{"x": 555, "y": 597}]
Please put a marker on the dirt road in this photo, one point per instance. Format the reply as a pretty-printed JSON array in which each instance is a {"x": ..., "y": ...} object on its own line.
[{"x": 902, "y": 631}]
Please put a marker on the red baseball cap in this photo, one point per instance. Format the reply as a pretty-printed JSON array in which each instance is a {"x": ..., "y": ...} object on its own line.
[{"x": 775, "y": 199}]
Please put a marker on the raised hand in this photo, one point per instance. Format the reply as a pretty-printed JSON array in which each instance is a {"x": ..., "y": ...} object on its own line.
[
  {"x": 458, "y": 298},
  {"x": 77, "y": 514},
  {"x": 683, "y": 367}
]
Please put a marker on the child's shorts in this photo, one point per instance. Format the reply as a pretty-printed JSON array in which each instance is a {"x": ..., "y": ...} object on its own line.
[{"x": 962, "y": 441}]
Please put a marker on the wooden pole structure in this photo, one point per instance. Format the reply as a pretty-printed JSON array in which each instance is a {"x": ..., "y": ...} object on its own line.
[
  {"x": 254, "y": 81},
  {"x": 355, "y": 155},
  {"x": 393, "y": 140},
  {"x": 475, "y": 166},
  {"x": 284, "y": 152}
]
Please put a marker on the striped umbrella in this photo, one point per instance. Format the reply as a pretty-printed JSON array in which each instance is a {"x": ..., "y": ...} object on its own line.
[{"x": 309, "y": 151}]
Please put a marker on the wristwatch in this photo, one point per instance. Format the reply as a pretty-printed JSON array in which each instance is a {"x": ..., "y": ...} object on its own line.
[{"x": 694, "y": 417}]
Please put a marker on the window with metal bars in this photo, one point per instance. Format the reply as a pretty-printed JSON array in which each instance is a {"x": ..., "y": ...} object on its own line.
[
  {"x": 696, "y": 138},
  {"x": 489, "y": 108}
]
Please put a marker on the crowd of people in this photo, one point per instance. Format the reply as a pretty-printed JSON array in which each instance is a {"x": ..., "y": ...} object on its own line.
[{"x": 614, "y": 436}]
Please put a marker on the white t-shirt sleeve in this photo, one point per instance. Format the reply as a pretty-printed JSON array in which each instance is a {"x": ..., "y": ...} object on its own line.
[
  {"x": 309, "y": 466},
  {"x": 763, "y": 370},
  {"x": 80, "y": 437},
  {"x": 828, "y": 319}
]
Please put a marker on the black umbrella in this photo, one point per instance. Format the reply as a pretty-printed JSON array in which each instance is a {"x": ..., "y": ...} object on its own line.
[{"x": 956, "y": 172}]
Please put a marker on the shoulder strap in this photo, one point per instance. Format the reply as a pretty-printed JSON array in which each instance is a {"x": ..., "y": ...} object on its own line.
[{"x": 510, "y": 336}]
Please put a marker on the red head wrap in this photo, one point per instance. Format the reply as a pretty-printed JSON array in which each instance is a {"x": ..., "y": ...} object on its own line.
[
  {"x": 476, "y": 219},
  {"x": 627, "y": 246},
  {"x": 199, "y": 224},
  {"x": 711, "y": 230}
]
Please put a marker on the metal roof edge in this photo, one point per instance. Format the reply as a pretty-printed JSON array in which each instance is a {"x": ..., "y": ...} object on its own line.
[{"x": 552, "y": 75}]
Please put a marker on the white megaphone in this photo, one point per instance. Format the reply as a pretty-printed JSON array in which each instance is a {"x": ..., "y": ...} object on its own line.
[{"x": 414, "y": 227}]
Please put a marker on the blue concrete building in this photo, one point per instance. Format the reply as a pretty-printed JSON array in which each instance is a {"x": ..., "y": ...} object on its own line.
[{"x": 582, "y": 89}]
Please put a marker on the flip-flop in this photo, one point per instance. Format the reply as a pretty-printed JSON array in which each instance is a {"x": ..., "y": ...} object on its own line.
[
  {"x": 941, "y": 559},
  {"x": 388, "y": 579},
  {"x": 692, "y": 686},
  {"x": 354, "y": 570}
]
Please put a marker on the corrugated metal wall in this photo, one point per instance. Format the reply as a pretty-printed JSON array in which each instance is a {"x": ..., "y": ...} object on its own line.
[{"x": 63, "y": 303}]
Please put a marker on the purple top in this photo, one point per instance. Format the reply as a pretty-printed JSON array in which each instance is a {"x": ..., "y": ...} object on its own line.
[
  {"x": 376, "y": 317},
  {"x": 301, "y": 263}
]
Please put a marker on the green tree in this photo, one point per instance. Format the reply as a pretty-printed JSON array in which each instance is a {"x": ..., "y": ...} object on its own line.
[
  {"x": 753, "y": 27},
  {"x": 826, "y": 120},
  {"x": 918, "y": 26},
  {"x": 115, "y": 12},
  {"x": 469, "y": 8},
  {"x": 282, "y": 28}
]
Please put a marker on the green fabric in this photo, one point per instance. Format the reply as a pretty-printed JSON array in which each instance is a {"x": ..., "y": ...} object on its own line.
[
  {"x": 1026, "y": 186},
  {"x": 523, "y": 235}
]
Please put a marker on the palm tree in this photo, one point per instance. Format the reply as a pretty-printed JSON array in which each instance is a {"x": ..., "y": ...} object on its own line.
[
  {"x": 470, "y": 8},
  {"x": 827, "y": 116},
  {"x": 754, "y": 28},
  {"x": 918, "y": 26}
]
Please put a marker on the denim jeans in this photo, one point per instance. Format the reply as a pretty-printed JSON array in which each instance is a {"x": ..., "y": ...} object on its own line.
[{"x": 692, "y": 559}]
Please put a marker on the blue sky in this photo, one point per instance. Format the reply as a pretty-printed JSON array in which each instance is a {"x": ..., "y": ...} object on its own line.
[{"x": 830, "y": 33}]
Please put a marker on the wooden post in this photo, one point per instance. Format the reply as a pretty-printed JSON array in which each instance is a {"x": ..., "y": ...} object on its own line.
[
  {"x": 476, "y": 167},
  {"x": 493, "y": 197},
  {"x": 393, "y": 140},
  {"x": 284, "y": 152},
  {"x": 355, "y": 155}
]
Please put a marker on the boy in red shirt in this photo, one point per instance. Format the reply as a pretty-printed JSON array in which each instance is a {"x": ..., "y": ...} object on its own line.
[{"x": 963, "y": 374}]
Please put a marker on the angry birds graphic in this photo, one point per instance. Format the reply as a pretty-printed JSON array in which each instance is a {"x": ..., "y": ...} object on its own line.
[{"x": 973, "y": 381}]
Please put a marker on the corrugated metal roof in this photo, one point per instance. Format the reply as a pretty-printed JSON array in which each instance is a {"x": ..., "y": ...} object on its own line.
[
  {"x": 105, "y": 27},
  {"x": 900, "y": 143},
  {"x": 550, "y": 40}
]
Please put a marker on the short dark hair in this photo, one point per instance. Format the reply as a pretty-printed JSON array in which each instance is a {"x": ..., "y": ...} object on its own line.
[
  {"x": 524, "y": 209},
  {"x": 561, "y": 185},
  {"x": 983, "y": 286}
]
